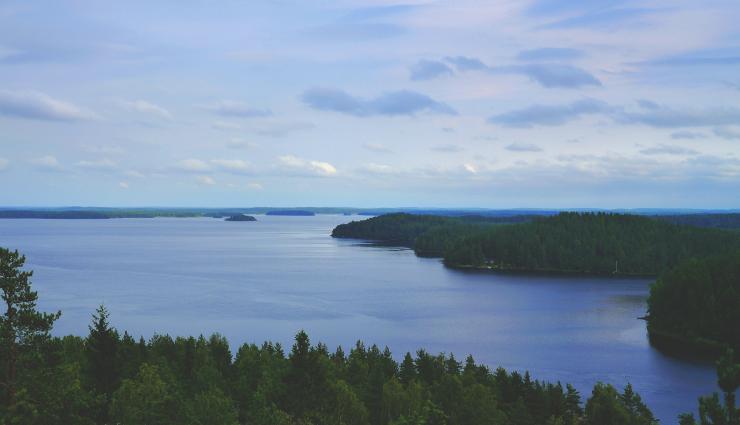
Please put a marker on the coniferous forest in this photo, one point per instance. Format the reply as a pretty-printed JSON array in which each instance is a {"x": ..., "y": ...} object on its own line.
[
  {"x": 698, "y": 304},
  {"x": 594, "y": 243}
]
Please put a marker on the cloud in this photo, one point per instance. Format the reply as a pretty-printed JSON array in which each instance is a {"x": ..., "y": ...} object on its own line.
[
  {"x": 706, "y": 57},
  {"x": 373, "y": 168},
  {"x": 376, "y": 147},
  {"x": 463, "y": 63},
  {"x": 523, "y": 147},
  {"x": 3, "y": 164},
  {"x": 100, "y": 164},
  {"x": 470, "y": 168},
  {"x": 396, "y": 103},
  {"x": 144, "y": 107},
  {"x": 123, "y": 185},
  {"x": 687, "y": 135},
  {"x": 236, "y": 166},
  {"x": 447, "y": 148},
  {"x": 47, "y": 163},
  {"x": 667, "y": 117},
  {"x": 550, "y": 53},
  {"x": 427, "y": 69},
  {"x": 552, "y": 75},
  {"x": 668, "y": 150},
  {"x": 38, "y": 106},
  {"x": 231, "y": 108},
  {"x": 254, "y": 186},
  {"x": 601, "y": 18},
  {"x": 727, "y": 133},
  {"x": 648, "y": 113},
  {"x": 205, "y": 180},
  {"x": 549, "y": 75},
  {"x": 192, "y": 166},
  {"x": 550, "y": 115},
  {"x": 307, "y": 167}
]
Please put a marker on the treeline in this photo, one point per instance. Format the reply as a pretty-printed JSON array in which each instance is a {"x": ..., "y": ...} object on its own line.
[
  {"x": 697, "y": 305},
  {"x": 717, "y": 220},
  {"x": 598, "y": 243},
  {"x": 107, "y": 377}
]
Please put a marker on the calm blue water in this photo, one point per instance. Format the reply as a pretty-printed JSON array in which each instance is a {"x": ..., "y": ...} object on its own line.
[{"x": 268, "y": 279}]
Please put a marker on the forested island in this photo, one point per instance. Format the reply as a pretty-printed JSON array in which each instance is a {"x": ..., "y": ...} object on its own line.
[
  {"x": 240, "y": 217},
  {"x": 109, "y": 377},
  {"x": 593, "y": 243}
]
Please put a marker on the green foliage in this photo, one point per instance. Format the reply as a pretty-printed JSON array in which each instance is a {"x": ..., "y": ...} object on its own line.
[
  {"x": 22, "y": 327},
  {"x": 598, "y": 243},
  {"x": 711, "y": 410},
  {"x": 607, "y": 407},
  {"x": 147, "y": 399},
  {"x": 698, "y": 302}
]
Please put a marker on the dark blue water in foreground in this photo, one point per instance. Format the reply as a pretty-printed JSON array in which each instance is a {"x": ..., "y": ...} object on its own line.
[{"x": 268, "y": 279}]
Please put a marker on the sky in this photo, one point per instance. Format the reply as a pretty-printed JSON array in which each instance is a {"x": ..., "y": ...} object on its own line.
[{"x": 493, "y": 104}]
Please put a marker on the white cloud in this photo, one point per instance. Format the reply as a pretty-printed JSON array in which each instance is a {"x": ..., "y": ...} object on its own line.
[
  {"x": 123, "y": 185},
  {"x": 205, "y": 180},
  {"x": 3, "y": 164},
  {"x": 192, "y": 165},
  {"x": 99, "y": 164},
  {"x": 232, "y": 165},
  {"x": 39, "y": 106},
  {"x": 47, "y": 162},
  {"x": 144, "y": 107},
  {"x": 470, "y": 168},
  {"x": 310, "y": 167}
]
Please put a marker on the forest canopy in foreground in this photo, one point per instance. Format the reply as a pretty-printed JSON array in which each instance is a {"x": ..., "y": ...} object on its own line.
[
  {"x": 107, "y": 377},
  {"x": 598, "y": 243}
]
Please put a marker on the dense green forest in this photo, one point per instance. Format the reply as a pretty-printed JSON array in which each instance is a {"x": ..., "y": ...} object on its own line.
[
  {"x": 698, "y": 304},
  {"x": 599, "y": 243}
]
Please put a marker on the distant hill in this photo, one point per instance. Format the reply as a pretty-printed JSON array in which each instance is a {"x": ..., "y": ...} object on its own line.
[
  {"x": 83, "y": 215},
  {"x": 298, "y": 213}
]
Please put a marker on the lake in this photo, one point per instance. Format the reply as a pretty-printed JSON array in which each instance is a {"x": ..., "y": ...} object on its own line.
[{"x": 253, "y": 281}]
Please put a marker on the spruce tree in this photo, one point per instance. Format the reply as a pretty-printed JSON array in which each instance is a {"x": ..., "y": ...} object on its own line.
[{"x": 102, "y": 359}]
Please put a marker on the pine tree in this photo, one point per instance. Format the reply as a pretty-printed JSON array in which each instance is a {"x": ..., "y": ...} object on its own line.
[{"x": 22, "y": 327}]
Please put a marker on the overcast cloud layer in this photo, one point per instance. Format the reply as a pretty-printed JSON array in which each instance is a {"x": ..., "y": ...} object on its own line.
[{"x": 504, "y": 104}]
